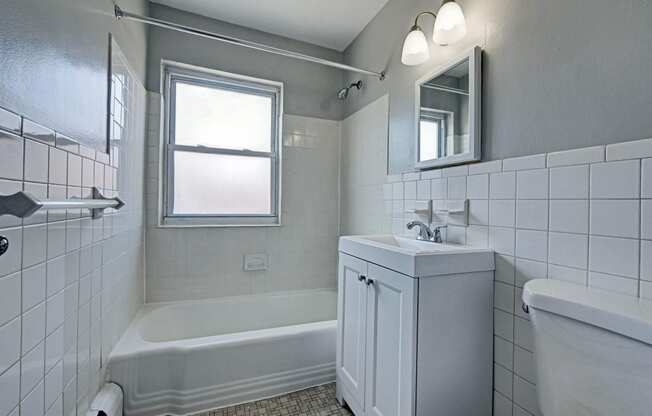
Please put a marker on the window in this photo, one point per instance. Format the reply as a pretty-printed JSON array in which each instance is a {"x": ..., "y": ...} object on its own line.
[{"x": 222, "y": 158}]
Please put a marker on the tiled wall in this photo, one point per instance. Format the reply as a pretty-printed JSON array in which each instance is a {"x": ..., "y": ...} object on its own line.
[
  {"x": 69, "y": 284},
  {"x": 195, "y": 263},
  {"x": 583, "y": 216}
]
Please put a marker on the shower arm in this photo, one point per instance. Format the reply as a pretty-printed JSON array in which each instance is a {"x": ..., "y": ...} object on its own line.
[{"x": 122, "y": 14}]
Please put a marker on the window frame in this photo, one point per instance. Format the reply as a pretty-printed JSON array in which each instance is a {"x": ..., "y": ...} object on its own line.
[{"x": 172, "y": 73}]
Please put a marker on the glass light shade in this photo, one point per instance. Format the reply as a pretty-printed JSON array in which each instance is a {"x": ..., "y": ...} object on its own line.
[
  {"x": 415, "y": 48},
  {"x": 450, "y": 24}
]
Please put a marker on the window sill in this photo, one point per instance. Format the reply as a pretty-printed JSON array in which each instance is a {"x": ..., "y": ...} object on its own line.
[{"x": 182, "y": 222}]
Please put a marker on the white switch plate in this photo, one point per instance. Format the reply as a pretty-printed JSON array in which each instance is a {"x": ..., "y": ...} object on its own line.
[{"x": 255, "y": 262}]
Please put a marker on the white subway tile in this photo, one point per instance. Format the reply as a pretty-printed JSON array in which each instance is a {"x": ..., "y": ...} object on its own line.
[
  {"x": 525, "y": 395},
  {"x": 526, "y": 270},
  {"x": 55, "y": 311},
  {"x": 523, "y": 335},
  {"x": 9, "y": 389},
  {"x": 532, "y": 245},
  {"x": 477, "y": 236},
  {"x": 438, "y": 189},
  {"x": 646, "y": 260},
  {"x": 525, "y": 162},
  {"x": 630, "y": 150},
  {"x": 53, "y": 384},
  {"x": 532, "y": 184},
  {"x": 462, "y": 170},
  {"x": 569, "y": 215},
  {"x": 423, "y": 189},
  {"x": 524, "y": 364},
  {"x": 502, "y": 240},
  {"x": 74, "y": 170},
  {"x": 88, "y": 172},
  {"x": 646, "y": 178},
  {"x": 56, "y": 275},
  {"x": 9, "y": 297},
  {"x": 502, "y": 212},
  {"x": 477, "y": 186},
  {"x": 567, "y": 274},
  {"x": 53, "y": 349},
  {"x": 410, "y": 190},
  {"x": 617, "y": 256},
  {"x": 56, "y": 239},
  {"x": 504, "y": 324},
  {"x": 33, "y": 330},
  {"x": 493, "y": 166},
  {"x": 503, "y": 379},
  {"x": 504, "y": 268},
  {"x": 32, "y": 370},
  {"x": 36, "y": 161},
  {"x": 569, "y": 250},
  {"x": 9, "y": 344},
  {"x": 572, "y": 157},
  {"x": 613, "y": 283},
  {"x": 504, "y": 352},
  {"x": 32, "y": 403},
  {"x": 478, "y": 212},
  {"x": 615, "y": 217},
  {"x": 616, "y": 179},
  {"x": 502, "y": 185},
  {"x": 34, "y": 244},
  {"x": 502, "y": 404},
  {"x": 457, "y": 187},
  {"x": 532, "y": 214},
  {"x": 33, "y": 290},
  {"x": 504, "y": 297},
  {"x": 11, "y": 156},
  {"x": 569, "y": 182},
  {"x": 58, "y": 166},
  {"x": 646, "y": 219}
]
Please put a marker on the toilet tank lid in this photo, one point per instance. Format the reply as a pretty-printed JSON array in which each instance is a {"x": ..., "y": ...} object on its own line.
[{"x": 626, "y": 315}]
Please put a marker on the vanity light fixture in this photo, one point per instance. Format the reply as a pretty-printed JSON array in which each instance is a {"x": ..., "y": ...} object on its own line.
[{"x": 449, "y": 27}]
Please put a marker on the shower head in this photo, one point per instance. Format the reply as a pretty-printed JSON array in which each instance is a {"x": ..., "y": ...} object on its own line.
[{"x": 344, "y": 92}]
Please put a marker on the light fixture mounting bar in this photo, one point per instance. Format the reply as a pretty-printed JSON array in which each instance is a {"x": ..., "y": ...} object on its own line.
[{"x": 122, "y": 14}]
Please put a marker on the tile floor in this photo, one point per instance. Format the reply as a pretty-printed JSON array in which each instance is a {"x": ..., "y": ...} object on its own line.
[{"x": 315, "y": 401}]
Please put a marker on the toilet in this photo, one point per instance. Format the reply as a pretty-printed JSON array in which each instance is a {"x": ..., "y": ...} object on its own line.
[{"x": 593, "y": 350}]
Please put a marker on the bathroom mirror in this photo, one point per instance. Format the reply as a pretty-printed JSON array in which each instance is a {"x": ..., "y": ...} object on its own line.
[{"x": 447, "y": 113}]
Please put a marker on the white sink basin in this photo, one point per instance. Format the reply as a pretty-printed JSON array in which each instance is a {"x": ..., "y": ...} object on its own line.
[{"x": 417, "y": 258}]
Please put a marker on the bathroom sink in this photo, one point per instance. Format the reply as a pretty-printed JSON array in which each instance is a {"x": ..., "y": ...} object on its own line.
[{"x": 417, "y": 258}]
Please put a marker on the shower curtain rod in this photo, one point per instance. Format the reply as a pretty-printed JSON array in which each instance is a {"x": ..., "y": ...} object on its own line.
[{"x": 122, "y": 14}]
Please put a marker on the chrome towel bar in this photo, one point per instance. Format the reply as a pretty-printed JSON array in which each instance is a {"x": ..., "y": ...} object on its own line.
[{"x": 23, "y": 204}]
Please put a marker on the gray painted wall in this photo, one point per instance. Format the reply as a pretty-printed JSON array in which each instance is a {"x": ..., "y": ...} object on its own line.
[
  {"x": 54, "y": 60},
  {"x": 310, "y": 89},
  {"x": 558, "y": 74}
]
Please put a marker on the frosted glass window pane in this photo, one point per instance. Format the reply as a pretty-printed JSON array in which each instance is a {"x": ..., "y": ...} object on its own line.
[
  {"x": 221, "y": 118},
  {"x": 210, "y": 184},
  {"x": 428, "y": 140}
]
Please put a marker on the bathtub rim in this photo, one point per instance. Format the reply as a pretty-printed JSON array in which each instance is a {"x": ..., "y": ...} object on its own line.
[{"x": 132, "y": 344}]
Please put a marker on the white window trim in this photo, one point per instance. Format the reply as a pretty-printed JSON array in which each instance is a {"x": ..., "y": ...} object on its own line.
[{"x": 173, "y": 70}]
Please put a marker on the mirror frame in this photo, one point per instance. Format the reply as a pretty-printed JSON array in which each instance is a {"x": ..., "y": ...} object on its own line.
[{"x": 474, "y": 56}]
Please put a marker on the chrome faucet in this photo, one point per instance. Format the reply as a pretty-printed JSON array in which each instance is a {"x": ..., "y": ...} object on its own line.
[
  {"x": 436, "y": 237},
  {"x": 425, "y": 234}
]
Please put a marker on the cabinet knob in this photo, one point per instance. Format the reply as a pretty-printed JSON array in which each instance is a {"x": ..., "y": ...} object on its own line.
[
  {"x": 370, "y": 282},
  {"x": 362, "y": 278}
]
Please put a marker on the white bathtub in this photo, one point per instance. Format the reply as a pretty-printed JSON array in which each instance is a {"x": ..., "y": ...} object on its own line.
[{"x": 187, "y": 357}]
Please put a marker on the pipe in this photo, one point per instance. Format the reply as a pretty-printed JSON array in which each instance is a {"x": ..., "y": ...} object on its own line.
[{"x": 121, "y": 14}]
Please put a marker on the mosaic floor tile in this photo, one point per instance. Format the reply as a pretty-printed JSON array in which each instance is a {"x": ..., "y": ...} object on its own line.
[{"x": 315, "y": 401}]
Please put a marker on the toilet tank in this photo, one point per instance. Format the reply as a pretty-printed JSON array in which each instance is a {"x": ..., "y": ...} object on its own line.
[{"x": 593, "y": 350}]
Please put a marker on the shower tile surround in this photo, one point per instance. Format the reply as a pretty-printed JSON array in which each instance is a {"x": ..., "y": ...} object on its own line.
[
  {"x": 69, "y": 284},
  {"x": 581, "y": 215},
  {"x": 199, "y": 263}
]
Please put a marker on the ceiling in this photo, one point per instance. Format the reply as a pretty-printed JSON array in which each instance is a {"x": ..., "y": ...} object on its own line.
[{"x": 332, "y": 23}]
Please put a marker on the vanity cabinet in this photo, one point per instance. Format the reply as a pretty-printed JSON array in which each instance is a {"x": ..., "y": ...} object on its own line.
[{"x": 411, "y": 345}]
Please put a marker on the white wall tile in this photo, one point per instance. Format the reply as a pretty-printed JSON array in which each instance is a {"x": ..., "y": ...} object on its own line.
[
  {"x": 56, "y": 239},
  {"x": 503, "y": 379},
  {"x": 502, "y": 240},
  {"x": 629, "y": 150},
  {"x": 525, "y": 395},
  {"x": 504, "y": 352},
  {"x": 493, "y": 166},
  {"x": 74, "y": 170},
  {"x": 478, "y": 212},
  {"x": 34, "y": 244},
  {"x": 457, "y": 187},
  {"x": 36, "y": 161},
  {"x": 462, "y": 170},
  {"x": 504, "y": 297},
  {"x": 576, "y": 156},
  {"x": 646, "y": 219},
  {"x": 58, "y": 166},
  {"x": 438, "y": 189},
  {"x": 54, "y": 349},
  {"x": 646, "y": 260},
  {"x": 53, "y": 384},
  {"x": 532, "y": 184},
  {"x": 569, "y": 182},
  {"x": 646, "y": 178},
  {"x": 616, "y": 179},
  {"x": 11, "y": 149},
  {"x": 32, "y": 404},
  {"x": 410, "y": 189},
  {"x": 615, "y": 217},
  {"x": 32, "y": 369},
  {"x": 502, "y": 405},
  {"x": 9, "y": 389},
  {"x": 502, "y": 185},
  {"x": 532, "y": 214},
  {"x": 431, "y": 174},
  {"x": 617, "y": 256},
  {"x": 532, "y": 245},
  {"x": 9, "y": 344},
  {"x": 504, "y": 324},
  {"x": 33, "y": 288},
  {"x": 504, "y": 268},
  {"x": 567, "y": 274},
  {"x": 523, "y": 335},
  {"x": 477, "y": 186},
  {"x": 613, "y": 283},
  {"x": 569, "y": 215},
  {"x": 423, "y": 189},
  {"x": 10, "y": 287},
  {"x": 33, "y": 328},
  {"x": 526, "y": 270},
  {"x": 477, "y": 236},
  {"x": 525, "y": 162},
  {"x": 524, "y": 365},
  {"x": 568, "y": 250},
  {"x": 502, "y": 212}
]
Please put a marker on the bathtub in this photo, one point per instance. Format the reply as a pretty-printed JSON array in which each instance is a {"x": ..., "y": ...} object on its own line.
[{"x": 187, "y": 357}]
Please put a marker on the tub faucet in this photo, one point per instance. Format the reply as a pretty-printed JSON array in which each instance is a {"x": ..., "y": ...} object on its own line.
[{"x": 425, "y": 234}]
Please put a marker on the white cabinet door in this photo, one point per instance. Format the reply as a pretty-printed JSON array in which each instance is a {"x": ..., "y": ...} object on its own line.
[
  {"x": 391, "y": 343},
  {"x": 351, "y": 311}
]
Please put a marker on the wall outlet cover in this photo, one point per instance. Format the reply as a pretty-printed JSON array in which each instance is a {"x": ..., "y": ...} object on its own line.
[{"x": 255, "y": 262}]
